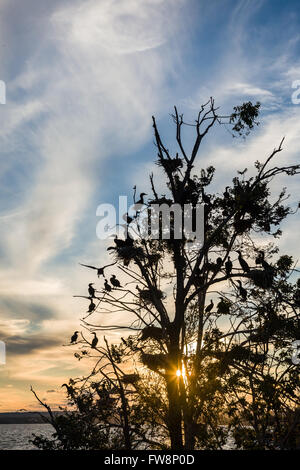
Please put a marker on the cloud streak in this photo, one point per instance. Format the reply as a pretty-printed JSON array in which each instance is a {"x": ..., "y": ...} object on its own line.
[{"x": 94, "y": 73}]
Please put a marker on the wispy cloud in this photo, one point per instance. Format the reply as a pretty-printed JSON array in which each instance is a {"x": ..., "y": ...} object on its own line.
[{"x": 92, "y": 77}]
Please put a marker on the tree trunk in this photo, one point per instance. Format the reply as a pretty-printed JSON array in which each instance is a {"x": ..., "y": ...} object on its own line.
[
  {"x": 189, "y": 433},
  {"x": 189, "y": 428},
  {"x": 174, "y": 412}
]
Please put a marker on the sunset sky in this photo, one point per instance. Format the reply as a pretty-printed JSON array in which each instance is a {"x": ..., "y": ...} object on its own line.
[{"x": 83, "y": 78}]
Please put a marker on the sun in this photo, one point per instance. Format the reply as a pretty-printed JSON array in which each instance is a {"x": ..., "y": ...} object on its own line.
[{"x": 181, "y": 372}]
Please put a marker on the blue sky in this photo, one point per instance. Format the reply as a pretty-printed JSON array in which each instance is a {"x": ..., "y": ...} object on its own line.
[{"x": 83, "y": 79}]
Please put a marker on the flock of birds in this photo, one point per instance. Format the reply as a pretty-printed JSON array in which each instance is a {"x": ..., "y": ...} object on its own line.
[
  {"x": 260, "y": 260},
  {"x": 94, "y": 342},
  {"x": 119, "y": 243},
  {"x": 114, "y": 283}
]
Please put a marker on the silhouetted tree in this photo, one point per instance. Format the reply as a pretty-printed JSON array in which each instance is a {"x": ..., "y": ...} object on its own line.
[{"x": 213, "y": 327}]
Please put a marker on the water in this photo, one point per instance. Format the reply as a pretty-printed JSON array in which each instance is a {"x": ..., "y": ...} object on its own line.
[{"x": 17, "y": 436}]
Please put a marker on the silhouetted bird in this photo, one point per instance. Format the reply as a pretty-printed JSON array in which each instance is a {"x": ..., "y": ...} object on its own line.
[
  {"x": 70, "y": 390},
  {"x": 243, "y": 263},
  {"x": 114, "y": 281},
  {"x": 92, "y": 307},
  {"x": 91, "y": 289},
  {"x": 139, "y": 203},
  {"x": 226, "y": 193},
  {"x": 209, "y": 307},
  {"x": 219, "y": 262},
  {"x": 242, "y": 291},
  {"x": 261, "y": 260},
  {"x": 74, "y": 337},
  {"x": 205, "y": 197},
  {"x": 95, "y": 341},
  {"x": 100, "y": 271},
  {"x": 228, "y": 266},
  {"x": 107, "y": 287},
  {"x": 141, "y": 200}
]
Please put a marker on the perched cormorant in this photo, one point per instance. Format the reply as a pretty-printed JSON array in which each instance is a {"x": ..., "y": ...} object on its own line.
[
  {"x": 226, "y": 193},
  {"x": 74, "y": 337},
  {"x": 100, "y": 271},
  {"x": 228, "y": 266},
  {"x": 70, "y": 390},
  {"x": 209, "y": 307},
  {"x": 114, "y": 281},
  {"x": 92, "y": 307},
  {"x": 242, "y": 291},
  {"x": 141, "y": 200},
  {"x": 243, "y": 263},
  {"x": 91, "y": 289},
  {"x": 139, "y": 203},
  {"x": 261, "y": 260},
  {"x": 107, "y": 287},
  {"x": 95, "y": 341}
]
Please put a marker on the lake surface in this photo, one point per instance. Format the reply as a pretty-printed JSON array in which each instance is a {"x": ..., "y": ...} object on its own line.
[{"x": 17, "y": 436}]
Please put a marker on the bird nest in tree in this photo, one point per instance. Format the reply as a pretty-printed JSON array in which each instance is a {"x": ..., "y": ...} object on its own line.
[
  {"x": 260, "y": 336},
  {"x": 236, "y": 354},
  {"x": 170, "y": 164},
  {"x": 224, "y": 306},
  {"x": 152, "y": 259},
  {"x": 161, "y": 200},
  {"x": 128, "y": 253},
  {"x": 152, "y": 332},
  {"x": 154, "y": 361},
  {"x": 243, "y": 225},
  {"x": 261, "y": 278},
  {"x": 148, "y": 296},
  {"x": 130, "y": 378}
]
